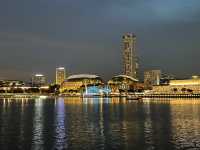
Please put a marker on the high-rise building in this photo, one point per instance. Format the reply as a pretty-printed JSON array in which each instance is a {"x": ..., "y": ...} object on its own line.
[
  {"x": 60, "y": 75},
  {"x": 130, "y": 64},
  {"x": 152, "y": 77},
  {"x": 38, "y": 80}
]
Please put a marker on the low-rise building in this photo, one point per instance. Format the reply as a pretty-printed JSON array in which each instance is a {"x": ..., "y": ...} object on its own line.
[
  {"x": 38, "y": 80},
  {"x": 151, "y": 78},
  {"x": 77, "y": 83},
  {"x": 179, "y": 86},
  {"x": 11, "y": 83},
  {"x": 121, "y": 83},
  {"x": 166, "y": 78}
]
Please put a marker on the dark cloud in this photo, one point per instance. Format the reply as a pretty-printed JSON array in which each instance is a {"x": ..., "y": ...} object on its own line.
[{"x": 85, "y": 35}]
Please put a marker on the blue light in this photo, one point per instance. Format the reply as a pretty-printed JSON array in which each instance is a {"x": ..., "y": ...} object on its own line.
[{"x": 97, "y": 90}]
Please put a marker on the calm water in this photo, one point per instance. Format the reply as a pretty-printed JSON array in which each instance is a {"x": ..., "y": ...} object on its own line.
[{"x": 99, "y": 124}]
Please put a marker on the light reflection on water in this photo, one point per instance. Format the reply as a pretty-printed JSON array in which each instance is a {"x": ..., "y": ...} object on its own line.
[
  {"x": 38, "y": 124},
  {"x": 60, "y": 132},
  {"x": 74, "y": 123}
]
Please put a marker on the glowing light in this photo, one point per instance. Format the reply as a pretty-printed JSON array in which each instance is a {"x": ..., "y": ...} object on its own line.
[
  {"x": 95, "y": 90},
  {"x": 39, "y": 75},
  {"x": 44, "y": 87},
  {"x": 43, "y": 97},
  {"x": 61, "y": 68}
]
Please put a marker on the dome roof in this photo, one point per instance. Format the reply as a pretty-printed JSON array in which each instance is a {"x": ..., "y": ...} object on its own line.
[
  {"x": 82, "y": 76},
  {"x": 125, "y": 76}
]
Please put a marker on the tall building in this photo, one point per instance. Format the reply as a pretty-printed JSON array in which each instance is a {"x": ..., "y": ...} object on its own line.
[
  {"x": 38, "y": 80},
  {"x": 60, "y": 75},
  {"x": 152, "y": 77},
  {"x": 130, "y": 64}
]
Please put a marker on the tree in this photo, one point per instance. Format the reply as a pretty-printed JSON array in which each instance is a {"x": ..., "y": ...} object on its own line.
[
  {"x": 54, "y": 88},
  {"x": 189, "y": 90},
  {"x": 183, "y": 89},
  {"x": 175, "y": 90}
]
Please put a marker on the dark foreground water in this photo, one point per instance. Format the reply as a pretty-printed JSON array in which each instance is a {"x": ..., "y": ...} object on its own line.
[{"x": 73, "y": 123}]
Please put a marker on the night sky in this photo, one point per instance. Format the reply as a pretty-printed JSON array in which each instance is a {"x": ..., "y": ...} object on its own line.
[{"x": 84, "y": 36}]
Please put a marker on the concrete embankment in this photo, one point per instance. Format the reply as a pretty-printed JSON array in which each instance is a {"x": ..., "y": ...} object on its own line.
[
  {"x": 169, "y": 95},
  {"x": 20, "y": 95}
]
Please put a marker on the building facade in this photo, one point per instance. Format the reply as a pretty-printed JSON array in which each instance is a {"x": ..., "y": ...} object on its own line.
[
  {"x": 11, "y": 83},
  {"x": 78, "y": 83},
  {"x": 166, "y": 78},
  {"x": 60, "y": 75},
  {"x": 178, "y": 87},
  {"x": 152, "y": 77},
  {"x": 121, "y": 83},
  {"x": 130, "y": 64},
  {"x": 38, "y": 80}
]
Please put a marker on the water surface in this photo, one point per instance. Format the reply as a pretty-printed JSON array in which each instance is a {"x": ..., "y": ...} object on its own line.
[{"x": 74, "y": 123}]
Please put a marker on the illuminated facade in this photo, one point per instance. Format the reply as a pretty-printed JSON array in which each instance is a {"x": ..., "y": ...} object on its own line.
[
  {"x": 152, "y": 77},
  {"x": 38, "y": 80},
  {"x": 130, "y": 64},
  {"x": 60, "y": 75},
  {"x": 97, "y": 90},
  {"x": 121, "y": 82},
  {"x": 185, "y": 82},
  {"x": 11, "y": 83},
  {"x": 179, "y": 86},
  {"x": 77, "y": 83}
]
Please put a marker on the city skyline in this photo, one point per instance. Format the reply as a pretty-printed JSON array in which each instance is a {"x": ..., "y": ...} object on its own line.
[
  {"x": 89, "y": 40},
  {"x": 99, "y": 74}
]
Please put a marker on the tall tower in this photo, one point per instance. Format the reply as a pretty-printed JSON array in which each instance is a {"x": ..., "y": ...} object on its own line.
[
  {"x": 60, "y": 75},
  {"x": 130, "y": 64}
]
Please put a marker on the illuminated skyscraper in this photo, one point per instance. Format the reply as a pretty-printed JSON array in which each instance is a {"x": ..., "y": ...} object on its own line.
[
  {"x": 60, "y": 75},
  {"x": 130, "y": 64}
]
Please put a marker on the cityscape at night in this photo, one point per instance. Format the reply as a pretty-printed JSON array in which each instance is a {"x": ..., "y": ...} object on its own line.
[{"x": 99, "y": 75}]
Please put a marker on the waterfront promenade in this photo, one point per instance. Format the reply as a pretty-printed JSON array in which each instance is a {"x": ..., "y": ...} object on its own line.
[
  {"x": 128, "y": 96},
  {"x": 24, "y": 95}
]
